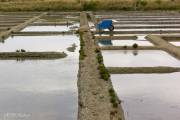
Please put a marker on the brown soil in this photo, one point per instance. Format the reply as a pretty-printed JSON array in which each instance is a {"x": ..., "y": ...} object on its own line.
[
  {"x": 150, "y": 70},
  {"x": 94, "y": 98},
  {"x": 32, "y": 55}
]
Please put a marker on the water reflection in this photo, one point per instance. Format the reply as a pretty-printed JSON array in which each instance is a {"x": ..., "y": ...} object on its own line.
[
  {"x": 140, "y": 42},
  {"x": 55, "y": 28},
  {"x": 135, "y": 52},
  {"x": 42, "y": 89},
  {"x": 2, "y": 41},
  {"x": 149, "y": 96},
  {"x": 105, "y": 42},
  {"x": 39, "y": 43},
  {"x": 138, "y": 58},
  {"x": 39, "y": 89}
]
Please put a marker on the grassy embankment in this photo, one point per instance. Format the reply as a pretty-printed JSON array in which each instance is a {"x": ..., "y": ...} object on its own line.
[{"x": 77, "y": 5}]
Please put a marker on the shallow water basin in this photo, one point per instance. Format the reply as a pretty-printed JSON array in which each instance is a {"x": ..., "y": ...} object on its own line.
[
  {"x": 124, "y": 42},
  {"x": 39, "y": 89},
  {"x": 138, "y": 58},
  {"x": 39, "y": 43},
  {"x": 149, "y": 96},
  {"x": 55, "y": 28}
]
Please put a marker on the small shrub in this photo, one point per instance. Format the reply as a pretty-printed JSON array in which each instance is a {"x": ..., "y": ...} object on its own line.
[
  {"x": 97, "y": 50},
  {"x": 3, "y": 37},
  {"x": 93, "y": 37},
  {"x": 105, "y": 76},
  {"x": 81, "y": 40},
  {"x": 125, "y": 47},
  {"x": 112, "y": 93},
  {"x": 17, "y": 50},
  {"x": 82, "y": 54},
  {"x": 104, "y": 72},
  {"x": 115, "y": 105},
  {"x": 113, "y": 98},
  {"x": 22, "y": 50},
  {"x": 135, "y": 45},
  {"x": 77, "y": 32},
  {"x": 99, "y": 58}
]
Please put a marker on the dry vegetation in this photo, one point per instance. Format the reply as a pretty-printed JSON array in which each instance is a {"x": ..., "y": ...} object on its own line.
[{"x": 66, "y": 5}]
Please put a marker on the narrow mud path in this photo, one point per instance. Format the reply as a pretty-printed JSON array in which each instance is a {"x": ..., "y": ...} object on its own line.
[{"x": 94, "y": 98}]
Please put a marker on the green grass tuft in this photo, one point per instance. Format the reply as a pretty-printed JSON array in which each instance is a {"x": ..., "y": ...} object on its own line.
[
  {"x": 113, "y": 98},
  {"x": 82, "y": 54}
]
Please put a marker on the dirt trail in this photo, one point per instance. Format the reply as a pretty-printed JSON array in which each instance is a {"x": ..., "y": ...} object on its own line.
[{"x": 94, "y": 98}]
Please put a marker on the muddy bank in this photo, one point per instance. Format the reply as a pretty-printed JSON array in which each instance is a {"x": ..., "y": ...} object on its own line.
[
  {"x": 129, "y": 48},
  {"x": 42, "y": 33},
  {"x": 122, "y": 37},
  {"x": 51, "y": 23},
  {"x": 171, "y": 37},
  {"x": 147, "y": 70},
  {"x": 32, "y": 55},
  {"x": 94, "y": 98},
  {"x": 171, "y": 49}
]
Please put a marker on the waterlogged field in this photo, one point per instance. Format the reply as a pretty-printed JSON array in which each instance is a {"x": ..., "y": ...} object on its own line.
[
  {"x": 40, "y": 89},
  {"x": 44, "y": 89},
  {"x": 124, "y": 42},
  {"x": 138, "y": 58},
  {"x": 152, "y": 96},
  {"x": 39, "y": 43},
  {"x": 149, "y": 96},
  {"x": 55, "y": 28},
  {"x": 47, "y": 89}
]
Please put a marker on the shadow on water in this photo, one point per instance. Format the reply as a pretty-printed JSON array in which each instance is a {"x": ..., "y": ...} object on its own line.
[
  {"x": 124, "y": 42},
  {"x": 106, "y": 42}
]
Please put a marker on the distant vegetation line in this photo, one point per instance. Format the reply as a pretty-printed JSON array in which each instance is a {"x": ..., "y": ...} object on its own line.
[{"x": 94, "y": 5}]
